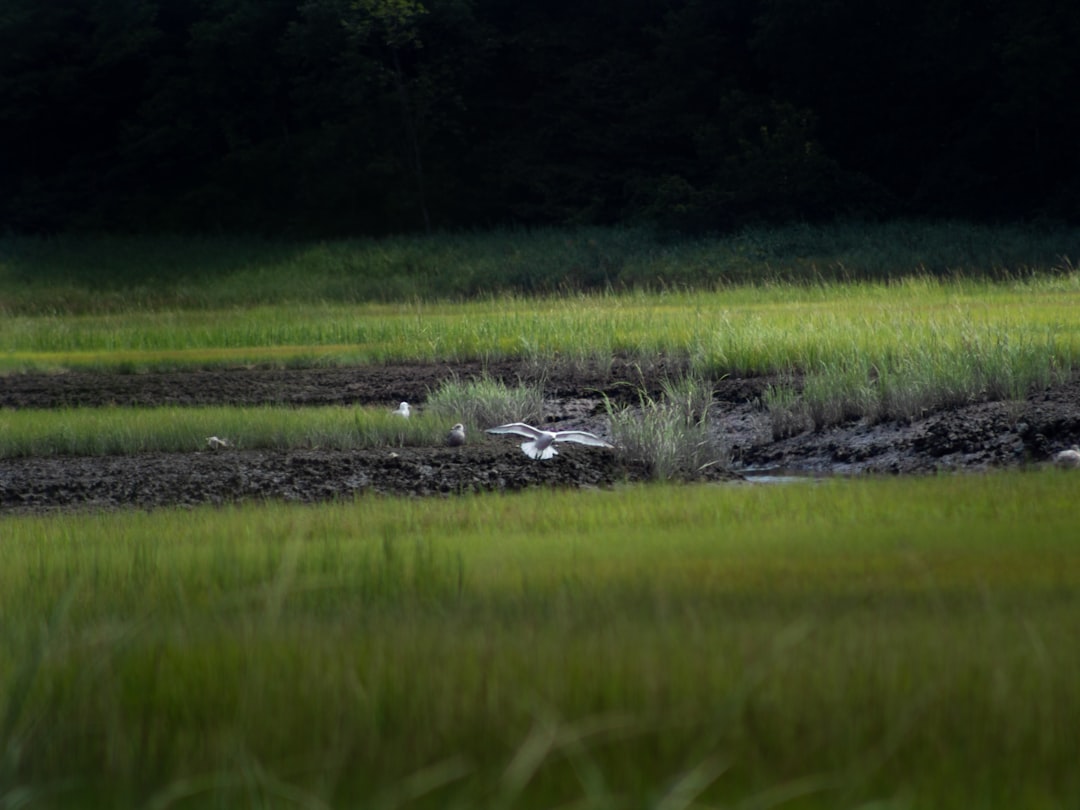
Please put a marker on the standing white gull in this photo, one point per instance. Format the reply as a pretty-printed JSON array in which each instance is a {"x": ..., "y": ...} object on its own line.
[
  {"x": 403, "y": 409},
  {"x": 540, "y": 443}
]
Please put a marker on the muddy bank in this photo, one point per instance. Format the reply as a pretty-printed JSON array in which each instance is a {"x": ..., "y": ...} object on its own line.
[
  {"x": 980, "y": 435},
  {"x": 229, "y": 476}
]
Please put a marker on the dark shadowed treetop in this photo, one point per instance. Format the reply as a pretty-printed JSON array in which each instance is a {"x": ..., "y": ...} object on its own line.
[{"x": 334, "y": 117}]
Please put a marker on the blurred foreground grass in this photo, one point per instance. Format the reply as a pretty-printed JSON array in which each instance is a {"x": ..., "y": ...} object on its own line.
[{"x": 852, "y": 643}]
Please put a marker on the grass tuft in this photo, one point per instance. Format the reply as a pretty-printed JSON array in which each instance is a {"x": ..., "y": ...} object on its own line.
[
  {"x": 788, "y": 413},
  {"x": 485, "y": 402},
  {"x": 909, "y": 381},
  {"x": 672, "y": 436}
]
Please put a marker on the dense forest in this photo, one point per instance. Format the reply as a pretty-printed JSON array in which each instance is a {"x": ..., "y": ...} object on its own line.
[{"x": 337, "y": 117}]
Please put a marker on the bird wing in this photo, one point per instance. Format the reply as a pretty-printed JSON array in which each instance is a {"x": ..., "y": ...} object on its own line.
[
  {"x": 518, "y": 429},
  {"x": 581, "y": 437}
]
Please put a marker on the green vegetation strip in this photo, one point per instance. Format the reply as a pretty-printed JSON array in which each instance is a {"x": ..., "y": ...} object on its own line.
[
  {"x": 114, "y": 274},
  {"x": 885, "y": 351},
  {"x": 126, "y": 431},
  {"x": 744, "y": 330},
  {"x": 894, "y": 643},
  {"x": 112, "y": 430},
  {"x": 884, "y": 322}
]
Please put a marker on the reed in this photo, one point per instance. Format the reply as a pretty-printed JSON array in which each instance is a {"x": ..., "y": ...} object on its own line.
[
  {"x": 485, "y": 402},
  {"x": 671, "y": 436},
  {"x": 905, "y": 382}
]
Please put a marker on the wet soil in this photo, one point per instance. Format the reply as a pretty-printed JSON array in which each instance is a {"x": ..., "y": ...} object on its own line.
[{"x": 976, "y": 436}]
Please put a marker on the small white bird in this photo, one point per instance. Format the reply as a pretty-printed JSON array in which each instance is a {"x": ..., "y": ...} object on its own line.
[
  {"x": 403, "y": 409},
  {"x": 1068, "y": 458},
  {"x": 456, "y": 436},
  {"x": 540, "y": 442},
  {"x": 214, "y": 443}
]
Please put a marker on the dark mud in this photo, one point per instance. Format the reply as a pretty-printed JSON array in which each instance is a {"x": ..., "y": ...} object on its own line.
[{"x": 977, "y": 436}]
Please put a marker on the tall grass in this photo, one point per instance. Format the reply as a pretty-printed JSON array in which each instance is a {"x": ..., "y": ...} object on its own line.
[
  {"x": 740, "y": 330},
  {"x": 881, "y": 351},
  {"x": 80, "y": 274},
  {"x": 482, "y": 403},
  {"x": 909, "y": 381},
  {"x": 671, "y": 436},
  {"x": 850, "y": 644},
  {"x": 926, "y": 331}
]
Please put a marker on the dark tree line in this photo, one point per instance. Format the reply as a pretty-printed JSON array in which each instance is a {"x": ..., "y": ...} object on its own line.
[{"x": 368, "y": 116}]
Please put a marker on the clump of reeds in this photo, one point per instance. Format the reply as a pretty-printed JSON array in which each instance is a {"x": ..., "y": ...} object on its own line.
[
  {"x": 673, "y": 435},
  {"x": 787, "y": 410},
  {"x": 483, "y": 402},
  {"x": 913, "y": 381}
]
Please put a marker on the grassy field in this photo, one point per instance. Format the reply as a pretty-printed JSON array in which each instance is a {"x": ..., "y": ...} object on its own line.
[
  {"x": 98, "y": 275},
  {"x": 884, "y": 321},
  {"x": 881, "y": 350},
  {"x": 748, "y": 328},
  {"x": 859, "y": 643},
  {"x": 126, "y": 431},
  {"x": 114, "y": 430},
  {"x": 845, "y": 644}
]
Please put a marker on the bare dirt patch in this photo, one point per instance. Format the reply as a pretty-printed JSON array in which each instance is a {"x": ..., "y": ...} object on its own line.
[{"x": 979, "y": 435}]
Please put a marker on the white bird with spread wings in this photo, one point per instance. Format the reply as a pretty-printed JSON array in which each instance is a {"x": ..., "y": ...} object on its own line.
[{"x": 541, "y": 443}]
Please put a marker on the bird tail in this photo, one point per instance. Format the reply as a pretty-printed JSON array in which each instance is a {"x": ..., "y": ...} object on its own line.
[{"x": 532, "y": 451}]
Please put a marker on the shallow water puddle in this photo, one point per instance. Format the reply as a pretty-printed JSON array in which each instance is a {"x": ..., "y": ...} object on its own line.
[{"x": 780, "y": 475}]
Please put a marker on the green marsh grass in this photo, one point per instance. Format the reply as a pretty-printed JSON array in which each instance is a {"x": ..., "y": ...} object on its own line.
[
  {"x": 485, "y": 402},
  {"x": 738, "y": 330},
  {"x": 478, "y": 404},
  {"x": 102, "y": 274},
  {"x": 876, "y": 350},
  {"x": 938, "y": 369},
  {"x": 855, "y": 643},
  {"x": 126, "y": 431},
  {"x": 930, "y": 316},
  {"x": 788, "y": 412},
  {"x": 672, "y": 435}
]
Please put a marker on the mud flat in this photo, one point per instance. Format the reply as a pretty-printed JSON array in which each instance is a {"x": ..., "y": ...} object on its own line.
[{"x": 976, "y": 436}]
